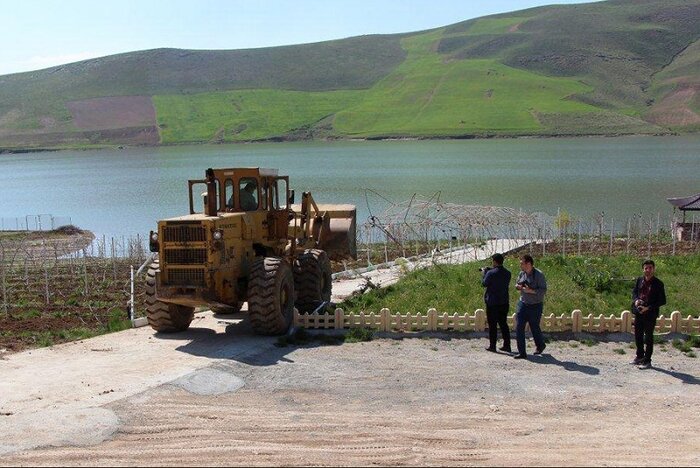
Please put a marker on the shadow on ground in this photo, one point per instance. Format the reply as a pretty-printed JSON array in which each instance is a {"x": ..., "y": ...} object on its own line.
[{"x": 238, "y": 342}]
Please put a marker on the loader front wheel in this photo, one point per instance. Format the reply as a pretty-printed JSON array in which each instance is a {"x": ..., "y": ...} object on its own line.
[
  {"x": 270, "y": 296},
  {"x": 163, "y": 317},
  {"x": 227, "y": 310},
  {"x": 312, "y": 279}
]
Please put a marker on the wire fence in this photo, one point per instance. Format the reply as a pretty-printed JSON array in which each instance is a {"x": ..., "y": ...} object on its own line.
[
  {"x": 37, "y": 222},
  {"x": 38, "y": 271},
  {"x": 422, "y": 225},
  {"x": 81, "y": 275}
]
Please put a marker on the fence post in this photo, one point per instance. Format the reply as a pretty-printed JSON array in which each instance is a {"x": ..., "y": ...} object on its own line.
[
  {"x": 480, "y": 320},
  {"x": 576, "y": 321},
  {"x": 432, "y": 319},
  {"x": 5, "y": 306},
  {"x": 131, "y": 298},
  {"x": 544, "y": 239},
  {"x": 673, "y": 235},
  {"x": 629, "y": 228},
  {"x": 386, "y": 319},
  {"x": 612, "y": 234},
  {"x": 626, "y": 322},
  {"x": 579, "y": 237},
  {"x": 339, "y": 319},
  {"x": 675, "y": 321},
  {"x": 46, "y": 284},
  {"x": 651, "y": 221}
]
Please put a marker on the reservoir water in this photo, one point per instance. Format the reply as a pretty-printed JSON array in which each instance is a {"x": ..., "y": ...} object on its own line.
[{"x": 124, "y": 192}]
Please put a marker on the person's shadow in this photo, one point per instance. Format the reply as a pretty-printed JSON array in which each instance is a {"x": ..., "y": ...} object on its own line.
[
  {"x": 566, "y": 365},
  {"x": 685, "y": 378}
]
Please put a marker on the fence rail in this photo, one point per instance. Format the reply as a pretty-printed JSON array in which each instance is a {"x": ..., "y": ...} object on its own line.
[{"x": 575, "y": 322}]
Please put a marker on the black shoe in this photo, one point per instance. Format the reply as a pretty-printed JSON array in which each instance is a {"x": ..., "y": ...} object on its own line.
[
  {"x": 520, "y": 356},
  {"x": 637, "y": 361},
  {"x": 644, "y": 365},
  {"x": 493, "y": 350},
  {"x": 504, "y": 349},
  {"x": 540, "y": 350}
]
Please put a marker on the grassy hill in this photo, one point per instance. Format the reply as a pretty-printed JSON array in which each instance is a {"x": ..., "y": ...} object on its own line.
[{"x": 615, "y": 67}]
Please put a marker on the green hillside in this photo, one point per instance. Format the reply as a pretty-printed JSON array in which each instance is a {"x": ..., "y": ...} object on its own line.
[{"x": 615, "y": 67}]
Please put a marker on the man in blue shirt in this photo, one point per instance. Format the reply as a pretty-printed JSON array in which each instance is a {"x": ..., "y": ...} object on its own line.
[
  {"x": 496, "y": 280},
  {"x": 532, "y": 286}
]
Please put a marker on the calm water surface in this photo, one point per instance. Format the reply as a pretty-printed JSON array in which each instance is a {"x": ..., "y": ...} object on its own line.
[{"x": 124, "y": 192}]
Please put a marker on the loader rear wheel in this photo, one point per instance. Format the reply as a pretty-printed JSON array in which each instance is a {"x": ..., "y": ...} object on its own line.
[
  {"x": 163, "y": 317},
  {"x": 270, "y": 296},
  {"x": 312, "y": 279}
]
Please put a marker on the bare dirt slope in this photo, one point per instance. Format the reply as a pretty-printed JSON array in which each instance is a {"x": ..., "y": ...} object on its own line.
[{"x": 217, "y": 395}]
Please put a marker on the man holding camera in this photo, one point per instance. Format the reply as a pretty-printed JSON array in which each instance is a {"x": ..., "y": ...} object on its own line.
[
  {"x": 532, "y": 286},
  {"x": 496, "y": 281},
  {"x": 648, "y": 296}
]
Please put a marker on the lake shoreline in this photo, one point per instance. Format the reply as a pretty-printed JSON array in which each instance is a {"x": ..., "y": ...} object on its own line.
[{"x": 284, "y": 139}]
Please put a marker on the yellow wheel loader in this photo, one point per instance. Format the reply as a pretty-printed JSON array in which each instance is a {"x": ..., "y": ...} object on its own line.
[{"x": 245, "y": 240}]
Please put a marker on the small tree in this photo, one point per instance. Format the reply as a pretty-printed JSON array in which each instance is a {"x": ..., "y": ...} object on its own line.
[{"x": 563, "y": 220}]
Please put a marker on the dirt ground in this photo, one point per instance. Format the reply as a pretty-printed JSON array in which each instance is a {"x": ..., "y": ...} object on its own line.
[{"x": 218, "y": 395}]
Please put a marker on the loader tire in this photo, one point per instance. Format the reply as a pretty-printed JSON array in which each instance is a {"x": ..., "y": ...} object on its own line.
[
  {"x": 270, "y": 296},
  {"x": 312, "y": 279},
  {"x": 163, "y": 317}
]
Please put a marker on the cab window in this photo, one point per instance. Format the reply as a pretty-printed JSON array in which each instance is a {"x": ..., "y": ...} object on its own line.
[
  {"x": 248, "y": 194},
  {"x": 279, "y": 199},
  {"x": 264, "y": 194},
  {"x": 228, "y": 195}
]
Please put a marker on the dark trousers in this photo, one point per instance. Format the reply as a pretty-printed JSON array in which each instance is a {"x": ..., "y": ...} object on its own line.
[
  {"x": 528, "y": 314},
  {"x": 497, "y": 315},
  {"x": 644, "y": 325}
]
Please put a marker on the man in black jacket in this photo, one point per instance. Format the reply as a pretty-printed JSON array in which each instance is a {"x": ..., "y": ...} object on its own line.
[
  {"x": 496, "y": 281},
  {"x": 648, "y": 296}
]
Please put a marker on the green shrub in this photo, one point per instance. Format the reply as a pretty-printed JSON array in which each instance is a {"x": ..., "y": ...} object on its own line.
[
  {"x": 118, "y": 321},
  {"x": 589, "y": 342},
  {"x": 356, "y": 335}
]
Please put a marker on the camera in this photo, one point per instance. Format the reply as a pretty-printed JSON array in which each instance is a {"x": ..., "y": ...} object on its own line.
[
  {"x": 484, "y": 269},
  {"x": 525, "y": 284}
]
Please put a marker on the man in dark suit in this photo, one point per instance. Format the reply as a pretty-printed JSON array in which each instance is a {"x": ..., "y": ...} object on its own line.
[
  {"x": 496, "y": 281},
  {"x": 648, "y": 296}
]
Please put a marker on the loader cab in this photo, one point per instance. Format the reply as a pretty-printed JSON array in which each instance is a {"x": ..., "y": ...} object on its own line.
[{"x": 239, "y": 190}]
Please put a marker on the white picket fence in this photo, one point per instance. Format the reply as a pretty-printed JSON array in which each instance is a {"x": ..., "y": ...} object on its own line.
[{"x": 575, "y": 322}]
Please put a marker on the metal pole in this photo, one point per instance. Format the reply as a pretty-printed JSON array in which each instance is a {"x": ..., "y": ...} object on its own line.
[
  {"x": 369, "y": 238},
  {"x": 651, "y": 223},
  {"x": 673, "y": 236},
  {"x": 579, "y": 237},
  {"x": 612, "y": 233},
  {"x": 131, "y": 299},
  {"x": 544, "y": 239}
]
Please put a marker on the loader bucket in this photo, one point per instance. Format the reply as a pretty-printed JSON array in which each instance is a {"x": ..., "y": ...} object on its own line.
[
  {"x": 333, "y": 229},
  {"x": 338, "y": 236}
]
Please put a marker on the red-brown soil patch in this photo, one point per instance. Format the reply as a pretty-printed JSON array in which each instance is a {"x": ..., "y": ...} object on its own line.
[
  {"x": 113, "y": 112},
  {"x": 674, "y": 109},
  {"x": 126, "y": 136}
]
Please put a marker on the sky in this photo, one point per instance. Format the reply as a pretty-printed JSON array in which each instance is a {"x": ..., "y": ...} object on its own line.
[{"x": 37, "y": 34}]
